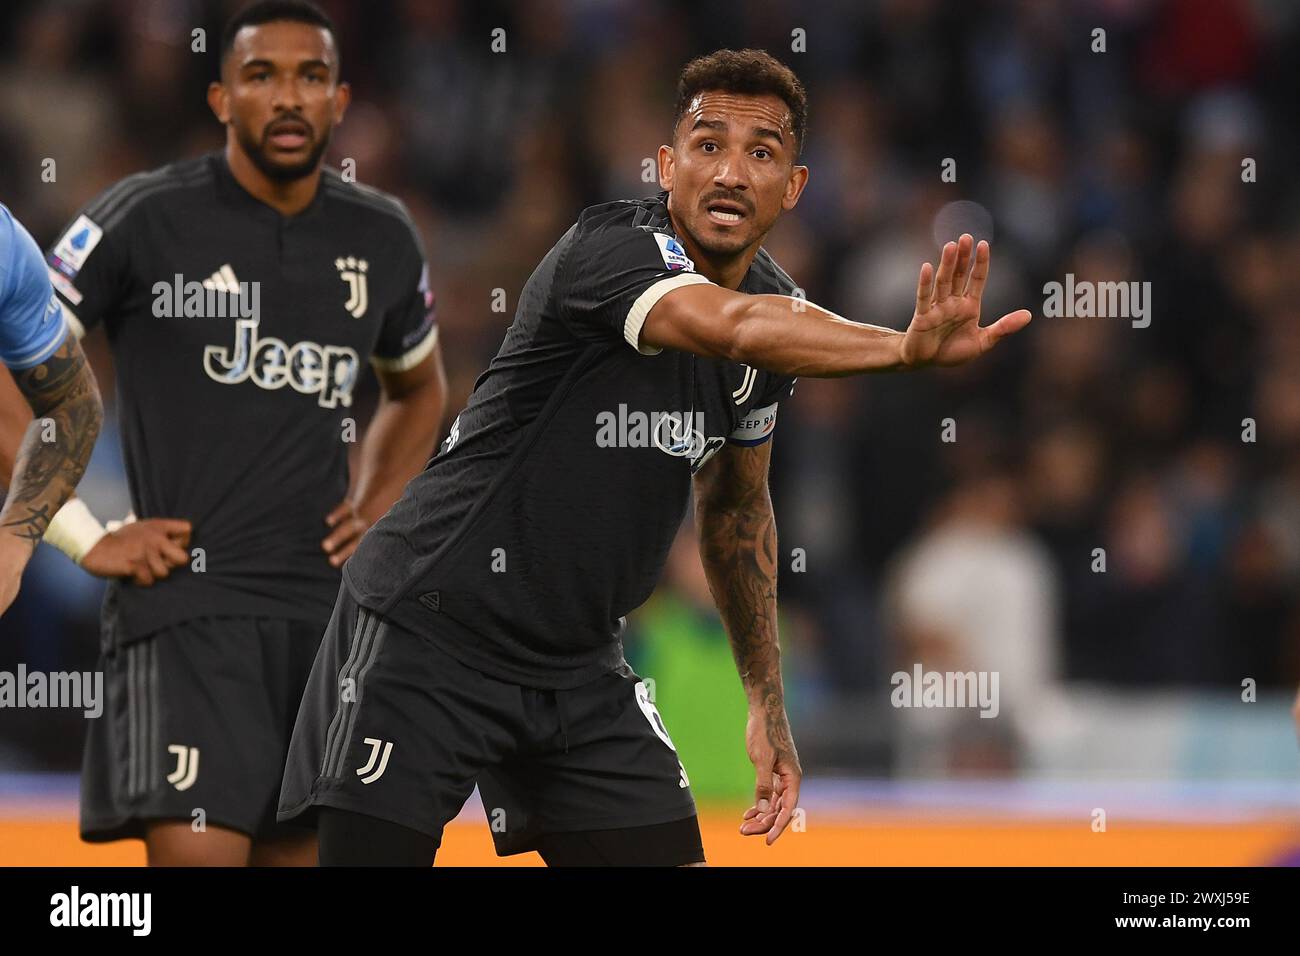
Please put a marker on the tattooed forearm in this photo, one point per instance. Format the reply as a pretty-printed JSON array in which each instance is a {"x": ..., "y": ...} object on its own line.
[
  {"x": 57, "y": 444},
  {"x": 733, "y": 513},
  {"x": 738, "y": 547}
]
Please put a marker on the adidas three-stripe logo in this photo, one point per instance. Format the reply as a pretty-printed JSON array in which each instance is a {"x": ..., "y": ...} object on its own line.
[
  {"x": 223, "y": 280},
  {"x": 367, "y": 640}
]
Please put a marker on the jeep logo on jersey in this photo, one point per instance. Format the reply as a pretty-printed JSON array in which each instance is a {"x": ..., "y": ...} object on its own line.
[
  {"x": 680, "y": 434},
  {"x": 353, "y": 272},
  {"x": 327, "y": 371},
  {"x": 674, "y": 435}
]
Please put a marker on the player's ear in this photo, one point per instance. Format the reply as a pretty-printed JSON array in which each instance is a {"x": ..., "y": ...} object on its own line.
[
  {"x": 342, "y": 97},
  {"x": 666, "y": 168},
  {"x": 218, "y": 101},
  {"x": 794, "y": 187}
]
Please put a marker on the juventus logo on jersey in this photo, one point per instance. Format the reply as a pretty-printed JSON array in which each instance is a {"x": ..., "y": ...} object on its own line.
[
  {"x": 741, "y": 395},
  {"x": 353, "y": 271}
]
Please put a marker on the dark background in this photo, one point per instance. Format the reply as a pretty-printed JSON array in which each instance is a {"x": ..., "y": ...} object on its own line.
[{"x": 1082, "y": 433}]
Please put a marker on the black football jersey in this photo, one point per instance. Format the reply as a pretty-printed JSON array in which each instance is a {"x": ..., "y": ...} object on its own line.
[
  {"x": 238, "y": 336},
  {"x": 548, "y": 513}
]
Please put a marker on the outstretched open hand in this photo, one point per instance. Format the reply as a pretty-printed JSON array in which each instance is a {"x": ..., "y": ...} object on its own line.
[{"x": 945, "y": 329}]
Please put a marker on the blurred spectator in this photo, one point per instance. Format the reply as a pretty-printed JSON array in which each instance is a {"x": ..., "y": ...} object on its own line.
[{"x": 977, "y": 593}]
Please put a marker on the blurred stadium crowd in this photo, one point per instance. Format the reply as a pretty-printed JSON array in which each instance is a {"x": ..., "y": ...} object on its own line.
[{"x": 1080, "y": 434}]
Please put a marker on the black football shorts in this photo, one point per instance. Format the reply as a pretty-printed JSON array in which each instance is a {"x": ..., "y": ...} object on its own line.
[
  {"x": 393, "y": 727},
  {"x": 196, "y": 727}
]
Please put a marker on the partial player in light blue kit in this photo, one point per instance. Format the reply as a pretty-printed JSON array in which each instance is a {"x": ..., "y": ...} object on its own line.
[
  {"x": 32, "y": 325},
  {"x": 44, "y": 444}
]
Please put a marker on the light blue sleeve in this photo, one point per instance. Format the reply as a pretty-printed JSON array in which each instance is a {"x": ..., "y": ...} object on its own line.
[{"x": 32, "y": 324}]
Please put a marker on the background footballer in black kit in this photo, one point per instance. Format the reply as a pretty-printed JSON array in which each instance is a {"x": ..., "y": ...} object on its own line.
[{"x": 237, "y": 423}]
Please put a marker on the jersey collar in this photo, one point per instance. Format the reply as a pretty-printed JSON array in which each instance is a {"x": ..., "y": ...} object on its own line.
[{"x": 230, "y": 190}]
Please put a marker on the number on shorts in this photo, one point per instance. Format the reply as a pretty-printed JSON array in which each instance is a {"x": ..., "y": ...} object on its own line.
[{"x": 652, "y": 714}]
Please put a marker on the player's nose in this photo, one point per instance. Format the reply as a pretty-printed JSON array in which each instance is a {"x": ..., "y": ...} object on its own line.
[
  {"x": 730, "y": 175},
  {"x": 286, "y": 95}
]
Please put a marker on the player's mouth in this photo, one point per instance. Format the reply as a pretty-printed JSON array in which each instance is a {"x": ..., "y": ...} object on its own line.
[
  {"x": 288, "y": 134},
  {"x": 725, "y": 213}
]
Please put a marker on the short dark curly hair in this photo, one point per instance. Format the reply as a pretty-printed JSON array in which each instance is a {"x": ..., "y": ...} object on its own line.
[
  {"x": 749, "y": 72},
  {"x": 272, "y": 11}
]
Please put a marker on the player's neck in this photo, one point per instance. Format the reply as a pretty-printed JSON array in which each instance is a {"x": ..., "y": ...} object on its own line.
[
  {"x": 287, "y": 197},
  {"x": 728, "y": 272}
]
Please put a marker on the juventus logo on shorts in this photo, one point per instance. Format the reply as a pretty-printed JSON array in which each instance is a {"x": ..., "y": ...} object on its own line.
[
  {"x": 369, "y": 773},
  {"x": 353, "y": 271},
  {"x": 187, "y": 766}
]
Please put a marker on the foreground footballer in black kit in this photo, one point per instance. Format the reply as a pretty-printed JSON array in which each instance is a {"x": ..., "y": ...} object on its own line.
[
  {"x": 477, "y": 634},
  {"x": 243, "y": 292}
]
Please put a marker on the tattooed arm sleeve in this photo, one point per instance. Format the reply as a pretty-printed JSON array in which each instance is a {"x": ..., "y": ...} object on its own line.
[
  {"x": 52, "y": 456},
  {"x": 737, "y": 532}
]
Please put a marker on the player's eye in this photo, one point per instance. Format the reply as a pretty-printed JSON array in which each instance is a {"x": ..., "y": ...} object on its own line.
[
  {"x": 259, "y": 76},
  {"x": 708, "y": 146},
  {"x": 766, "y": 153}
]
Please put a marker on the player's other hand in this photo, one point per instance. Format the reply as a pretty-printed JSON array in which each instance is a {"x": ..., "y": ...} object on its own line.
[
  {"x": 348, "y": 527},
  {"x": 143, "y": 550},
  {"x": 776, "y": 773},
  {"x": 945, "y": 329}
]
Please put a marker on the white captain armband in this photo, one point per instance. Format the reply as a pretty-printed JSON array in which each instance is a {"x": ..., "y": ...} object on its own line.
[{"x": 756, "y": 427}]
